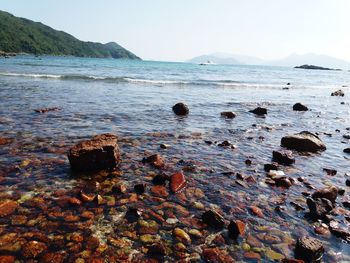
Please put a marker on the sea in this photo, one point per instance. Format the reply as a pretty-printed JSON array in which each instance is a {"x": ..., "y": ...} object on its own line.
[{"x": 134, "y": 99}]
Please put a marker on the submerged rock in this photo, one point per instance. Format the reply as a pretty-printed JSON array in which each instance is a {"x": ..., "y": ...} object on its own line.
[
  {"x": 338, "y": 93},
  {"x": 213, "y": 219},
  {"x": 228, "y": 114},
  {"x": 309, "y": 249},
  {"x": 300, "y": 107},
  {"x": 157, "y": 249},
  {"x": 259, "y": 111},
  {"x": 329, "y": 193},
  {"x": 155, "y": 159},
  {"x": 285, "y": 158},
  {"x": 177, "y": 182},
  {"x": 303, "y": 142},
  {"x": 7, "y": 207},
  {"x": 33, "y": 249},
  {"x": 180, "y": 109},
  {"x": 101, "y": 152}
]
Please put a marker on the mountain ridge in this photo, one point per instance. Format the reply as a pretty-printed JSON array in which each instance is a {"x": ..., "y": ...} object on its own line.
[{"x": 21, "y": 35}]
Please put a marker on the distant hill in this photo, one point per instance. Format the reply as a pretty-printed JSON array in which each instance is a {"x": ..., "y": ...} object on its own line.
[
  {"x": 20, "y": 35},
  {"x": 290, "y": 61}
]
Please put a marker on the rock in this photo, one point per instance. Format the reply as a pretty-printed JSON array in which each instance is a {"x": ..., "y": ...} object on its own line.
[
  {"x": 181, "y": 109},
  {"x": 283, "y": 182},
  {"x": 159, "y": 190},
  {"x": 139, "y": 188},
  {"x": 346, "y": 136},
  {"x": 256, "y": 211},
  {"x": 236, "y": 228},
  {"x": 347, "y": 182},
  {"x": 133, "y": 214},
  {"x": 273, "y": 255},
  {"x": 44, "y": 110},
  {"x": 270, "y": 166},
  {"x": 285, "y": 158},
  {"x": 7, "y": 259},
  {"x": 52, "y": 258},
  {"x": 4, "y": 141},
  {"x": 259, "y": 111},
  {"x": 338, "y": 231},
  {"x": 181, "y": 235},
  {"x": 228, "y": 114},
  {"x": 300, "y": 107},
  {"x": 33, "y": 249},
  {"x": 312, "y": 67},
  {"x": 216, "y": 255},
  {"x": 250, "y": 255},
  {"x": 101, "y": 152},
  {"x": 319, "y": 207},
  {"x": 338, "y": 93},
  {"x": 160, "y": 179},
  {"x": 303, "y": 142},
  {"x": 292, "y": 260},
  {"x": 7, "y": 207},
  {"x": 213, "y": 219},
  {"x": 309, "y": 249},
  {"x": 157, "y": 249},
  {"x": 225, "y": 144},
  {"x": 329, "y": 193},
  {"x": 331, "y": 172},
  {"x": 177, "y": 182},
  {"x": 164, "y": 146},
  {"x": 156, "y": 160},
  {"x": 346, "y": 150}
]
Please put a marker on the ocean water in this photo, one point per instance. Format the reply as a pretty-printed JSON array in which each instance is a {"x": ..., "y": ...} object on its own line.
[{"x": 133, "y": 99}]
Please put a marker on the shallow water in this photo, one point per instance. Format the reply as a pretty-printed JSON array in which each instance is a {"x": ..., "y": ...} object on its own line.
[{"x": 134, "y": 100}]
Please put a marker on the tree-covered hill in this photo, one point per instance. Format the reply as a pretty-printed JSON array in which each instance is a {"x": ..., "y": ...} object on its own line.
[{"x": 20, "y": 35}]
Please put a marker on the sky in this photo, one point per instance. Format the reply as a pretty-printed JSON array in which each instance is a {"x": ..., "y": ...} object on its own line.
[{"x": 177, "y": 30}]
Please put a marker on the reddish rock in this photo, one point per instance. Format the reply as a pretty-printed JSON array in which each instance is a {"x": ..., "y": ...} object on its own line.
[
  {"x": 101, "y": 152},
  {"x": 7, "y": 259},
  {"x": 33, "y": 249},
  {"x": 253, "y": 241},
  {"x": 236, "y": 228},
  {"x": 92, "y": 243},
  {"x": 292, "y": 260},
  {"x": 7, "y": 207},
  {"x": 177, "y": 182},
  {"x": 52, "y": 258},
  {"x": 252, "y": 255},
  {"x": 256, "y": 211},
  {"x": 216, "y": 255},
  {"x": 4, "y": 141},
  {"x": 159, "y": 190},
  {"x": 156, "y": 160},
  {"x": 213, "y": 219}
]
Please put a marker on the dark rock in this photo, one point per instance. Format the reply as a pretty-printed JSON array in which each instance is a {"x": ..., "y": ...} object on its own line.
[
  {"x": 303, "y": 142},
  {"x": 160, "y": 179},
  {"x": 44, "y": 110},
  {"x": 259, "y": 111},
  {"x": 300, "y": 107},
  {"x": 216, "y": 255},
  {"x": 331, "y": 172},
  {"x": 312, "y": 67},
  {"x": 180, "y": 109},
  {"x": 341, "y": 191},
  {"x": 339, "y": 231},
  {"x": 285, "y": 158},
  {"x": 236, "y": 228},
  {"x": 156, "y": 160},
  {"x": 157, "y": 249},
  {"x": 228, "y": 114},
  {"x": 319, "y": 207},
  {"x": 347, "y": 182},
  {"x": 346, "y": 150},
  {"x": 270, "y": 166},
  {"x": 133, "y": 214},
  {"x": 329, "y": 193},
  {"x": 177, "y": 182},
  {"x": 283, "y": 182},
  {"x": 225, "y": 144},
  {"x": 346, "y": 136},
  {"x": 164, "y": 146},
  {"x": 338, "y": 93},
  {"x": 101, "y": 152},
  {"x": 139, "y": 189},
  {"x": 309, "y": 249},
  {"x": 213, "y": 219}
]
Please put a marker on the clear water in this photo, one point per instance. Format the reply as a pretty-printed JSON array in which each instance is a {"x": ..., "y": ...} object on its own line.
[{"x": 133, "y": 99}]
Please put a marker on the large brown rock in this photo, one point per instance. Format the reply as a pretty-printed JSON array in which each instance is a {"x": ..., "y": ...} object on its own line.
[
  {"x": 101, "y": 152},
  {"x": 177, "y": 182},
  {"x": 309, "y": 249},
  {"x": 303, "y": 142},
  {"x": 329, "y": 193}
]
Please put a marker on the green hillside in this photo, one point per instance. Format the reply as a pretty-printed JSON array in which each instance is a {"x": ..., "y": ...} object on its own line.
[{"x": 20, "y": 35}]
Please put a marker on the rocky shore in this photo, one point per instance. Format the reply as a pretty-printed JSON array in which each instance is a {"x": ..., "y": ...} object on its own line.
[{"x": 141, "y": 200}]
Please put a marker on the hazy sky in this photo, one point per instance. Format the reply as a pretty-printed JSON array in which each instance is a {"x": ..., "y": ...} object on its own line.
[{"x": 181, "y": 29}]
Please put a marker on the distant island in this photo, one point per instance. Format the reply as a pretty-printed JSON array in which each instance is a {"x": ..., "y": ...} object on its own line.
[
  {"x": 20, "y": 35},
  {"x": 314, "y": 67}
]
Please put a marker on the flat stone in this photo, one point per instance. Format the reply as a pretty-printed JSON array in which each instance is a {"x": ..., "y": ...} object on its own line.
[
  {"x": 177, "y": 182},
  {"x": 101, "y": 152},
  {"x": 303, "y": 142},
  {"x": 7, "y": 207},
  {"x": 309, "y": 249}
]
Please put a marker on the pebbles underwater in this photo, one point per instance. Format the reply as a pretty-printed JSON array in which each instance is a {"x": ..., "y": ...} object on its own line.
[{"x": 174, "y": 192}]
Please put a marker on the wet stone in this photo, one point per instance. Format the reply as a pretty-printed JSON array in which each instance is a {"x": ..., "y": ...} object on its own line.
[
  {"x": 157, "y": 249},
  {"x": 259, "y": 111},
  {"x": 33, "y": 249},
  {"x": 133, "y": 214},
  {"x": 181, "y": 109},
  {"x": 7, "y": 259},
  {"x": 101, "y": 152},
  {"x": 177, "y": 182},
  {"x": 160, "y": 179},
  {"x": 331, "y": 172},
  {"x": 319, "y": 207},
  {"x": 139, "y": 189},
  {"x": 181, "y": 235},
  {"x": 299, "y": 107},
  {"x": 216, "y": 255},
  {"x": 228, "y": 114},
  {"x": 346, "y": 150},
  {"x": 339, "y": 93},
  {"x": 309, "y": 249},
  {"x": 285, "y": 158},
  {"x": 270, "y": 166},
  {"x": 303, "y": 142},
  {"x": 236, "y": 228},
  {"x": 329, "y": 193},
  {"x": 156, "y": 160},
  {"x": 213, "y": 219},
  {"x": 159, "y": 190},
  {"x": 7, "y": 207}
]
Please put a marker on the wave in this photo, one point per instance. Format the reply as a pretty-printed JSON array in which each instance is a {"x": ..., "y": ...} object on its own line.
[{"x": 199, "y": 82}]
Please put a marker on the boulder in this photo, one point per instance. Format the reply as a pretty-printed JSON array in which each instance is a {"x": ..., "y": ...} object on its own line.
[
  {"x": 177, "y": 182},
  {"x": 213, "y": 219},
  {"x": 300, "y": 107},
  {"x": 180, "y": 109},
  {"x": 228, "y": 114},
  {"x": 303, "y": 142},
  {"x": 329, "y": 193},
  {"x": 101, "y": 152},
  {"x": 285, "y": 158},
  {"x": 309, "y": 249},
  {"x": 259, "y": 111},
  {"x": 339, "y": 93}
]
